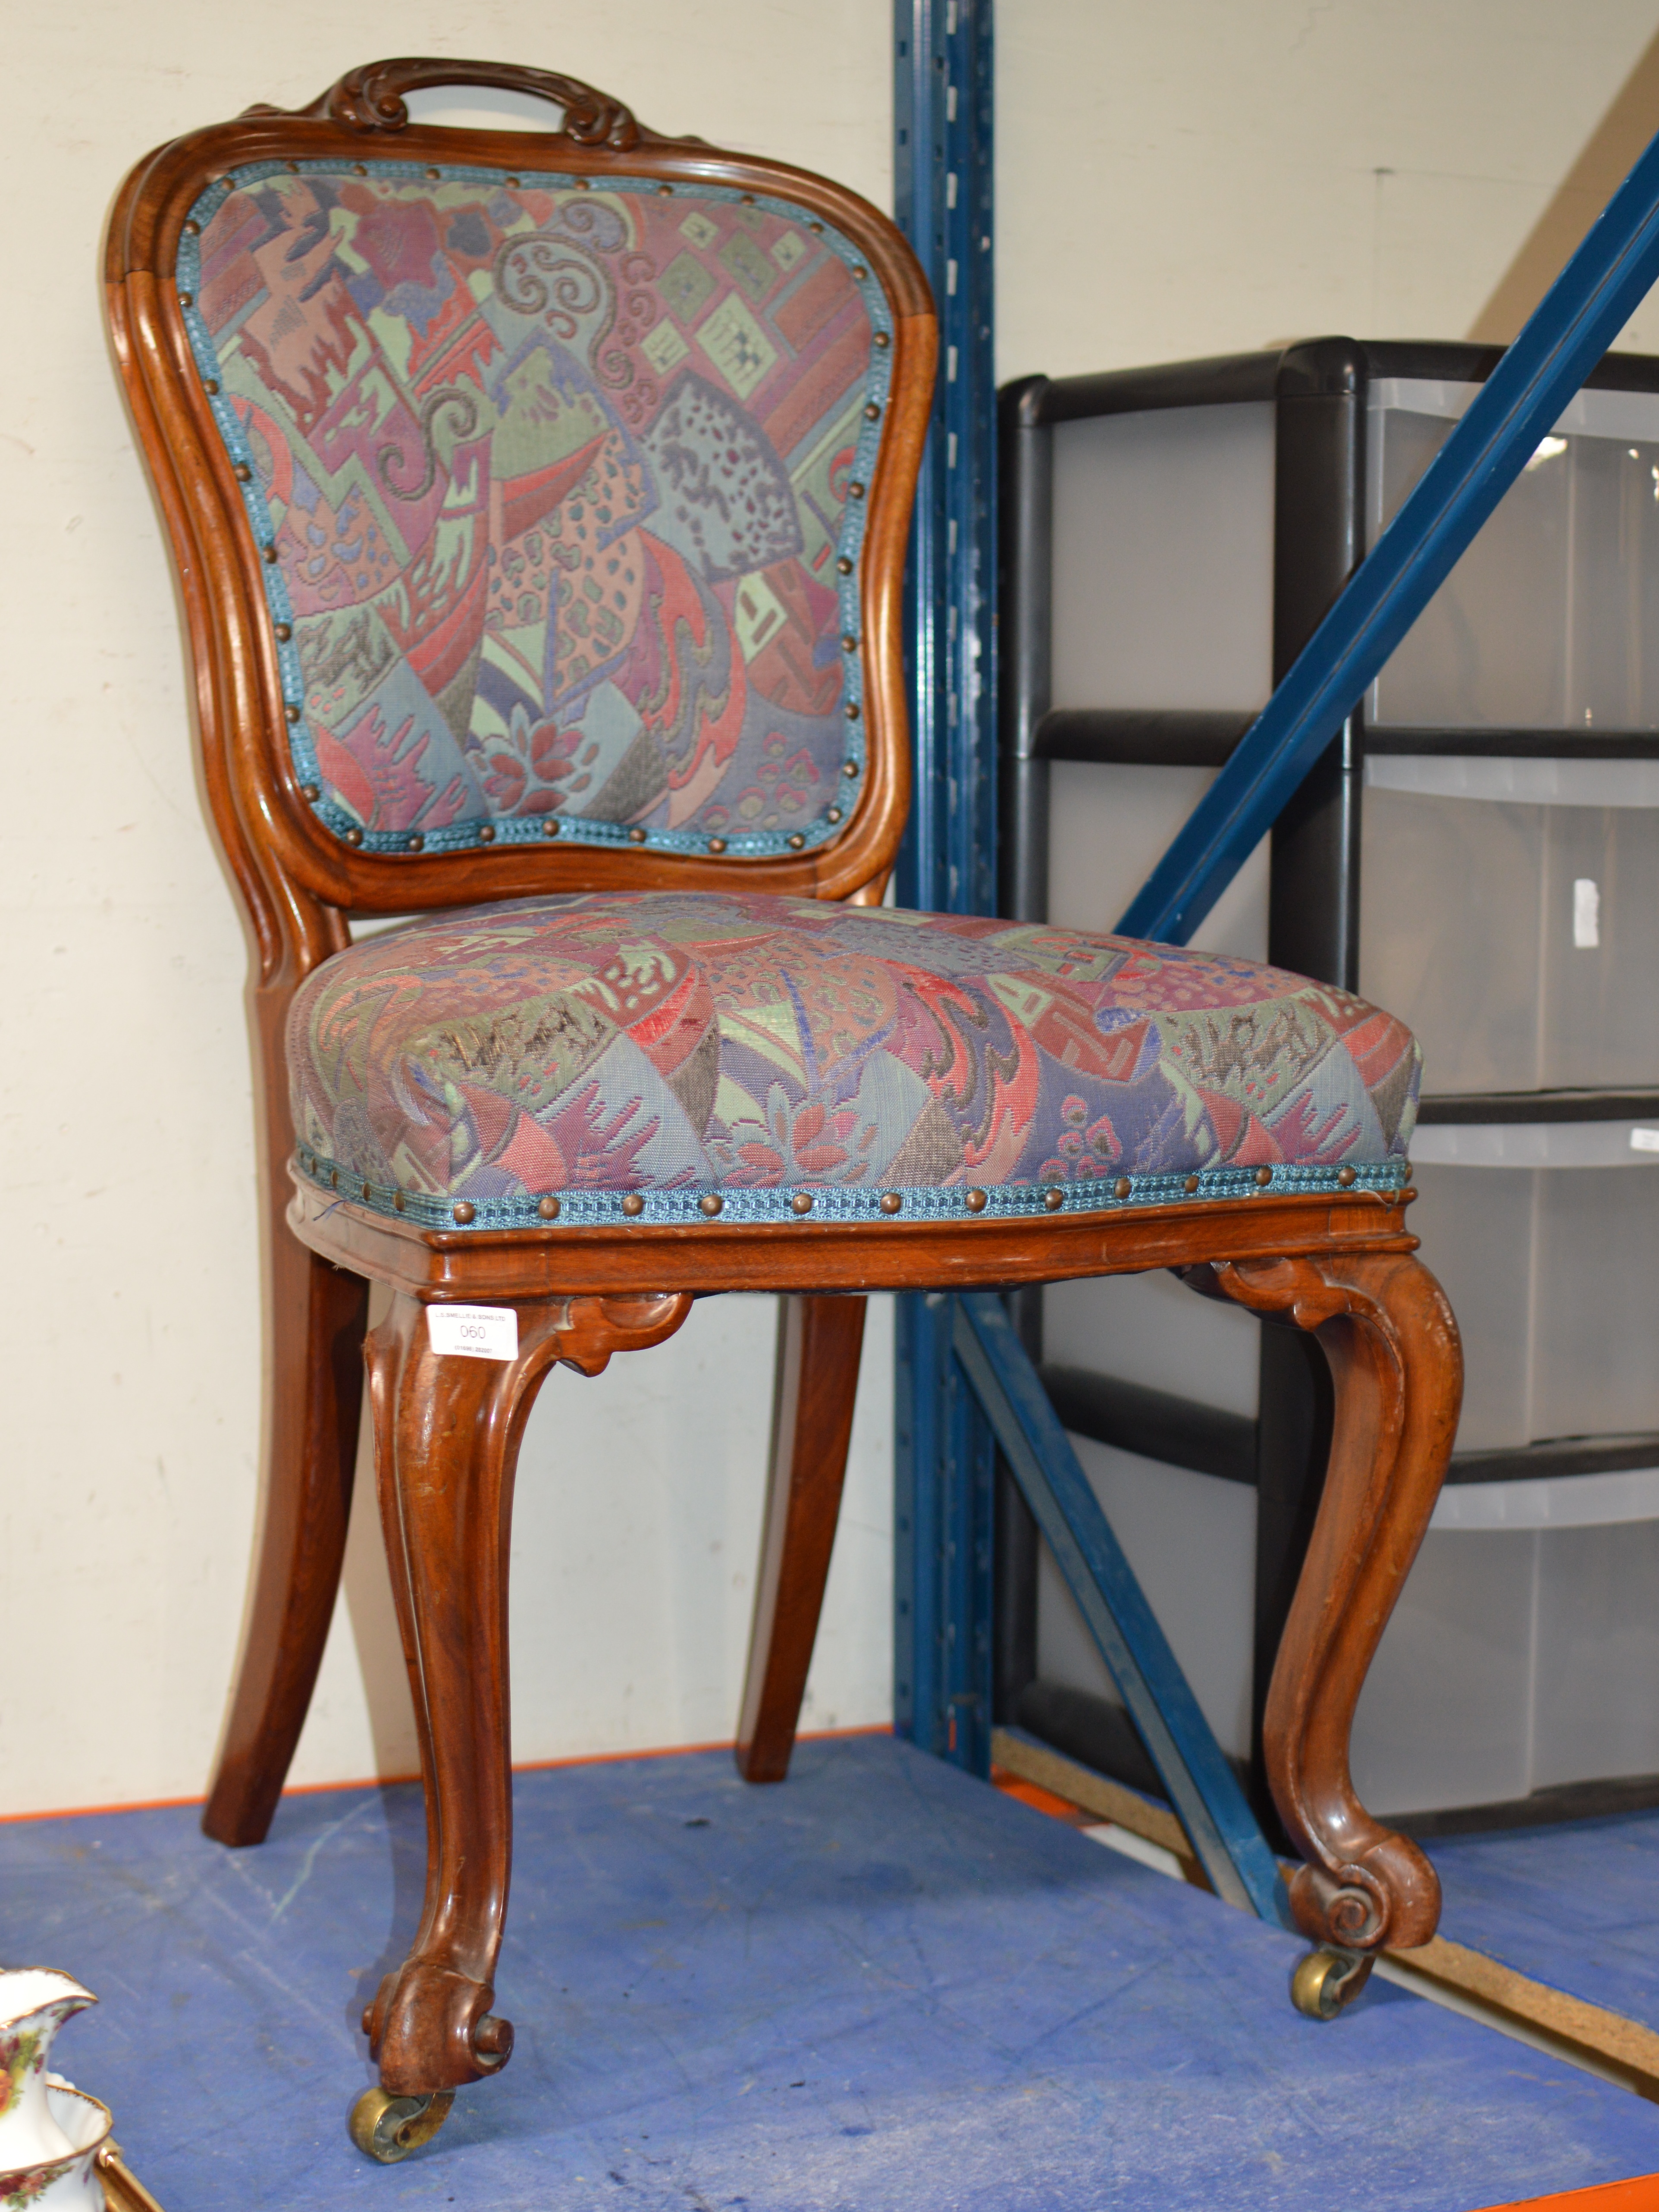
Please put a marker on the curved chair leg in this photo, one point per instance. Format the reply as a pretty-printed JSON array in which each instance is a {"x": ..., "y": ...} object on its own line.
[
  {"x": 446, "y": 1436},
  {"x": 819, "y": 1340},
  {"x": 1397, "y": 1362},
  {"x": 317, "y": 1314}
]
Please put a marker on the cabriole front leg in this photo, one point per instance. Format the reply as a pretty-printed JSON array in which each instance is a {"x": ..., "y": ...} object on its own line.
[
  {"x": 447, "y": 1435},
  {"x": 1397, "y": 1366}
]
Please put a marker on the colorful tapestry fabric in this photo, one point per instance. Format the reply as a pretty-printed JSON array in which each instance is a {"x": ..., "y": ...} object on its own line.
[
  {"x": 562, "y": 493},
  {"x": 548, "y": 1057}
]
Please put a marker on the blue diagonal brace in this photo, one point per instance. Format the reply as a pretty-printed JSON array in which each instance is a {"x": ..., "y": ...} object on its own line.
[
  {"x": 1573, "y": 326},
  {"x": 1207, "y": 1800}
]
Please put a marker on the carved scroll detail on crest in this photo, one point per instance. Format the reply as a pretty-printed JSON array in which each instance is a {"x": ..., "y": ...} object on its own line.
[{"x": 372, "y": 98}]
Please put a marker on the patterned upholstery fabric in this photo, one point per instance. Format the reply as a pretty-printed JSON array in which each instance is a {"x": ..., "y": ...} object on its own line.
[
  {"x": 563, "y": 496},
  {"x": 680, "y": 1044}
]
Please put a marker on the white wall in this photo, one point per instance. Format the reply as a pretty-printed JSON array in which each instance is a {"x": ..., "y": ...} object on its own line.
[
  {"x": 1208, "y": 176},
  {"x": 1192, "y": 178}
]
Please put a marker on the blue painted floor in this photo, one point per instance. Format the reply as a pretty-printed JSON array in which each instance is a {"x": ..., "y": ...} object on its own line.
[
  {"x": 882, "y": 1985},
  {"x": 1576, "y": 1906}
]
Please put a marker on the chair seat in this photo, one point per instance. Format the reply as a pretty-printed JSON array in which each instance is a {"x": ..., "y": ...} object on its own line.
[{"x": 565, "y": 1058}]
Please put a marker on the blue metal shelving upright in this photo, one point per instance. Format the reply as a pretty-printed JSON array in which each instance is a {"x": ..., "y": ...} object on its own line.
[{"x": 943, "y": 89}]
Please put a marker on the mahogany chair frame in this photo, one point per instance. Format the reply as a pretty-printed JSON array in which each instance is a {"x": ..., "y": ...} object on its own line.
[{"x": 448, "y": 1431}]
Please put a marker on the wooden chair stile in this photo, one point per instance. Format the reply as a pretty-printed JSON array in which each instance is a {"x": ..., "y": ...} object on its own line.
[{"x": 539, "y": 505}]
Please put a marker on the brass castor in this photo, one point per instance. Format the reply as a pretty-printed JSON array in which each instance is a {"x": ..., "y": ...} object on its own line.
[
  {"x": 1326, "y": 1981},
  {"x": 387, "y": 2128}
]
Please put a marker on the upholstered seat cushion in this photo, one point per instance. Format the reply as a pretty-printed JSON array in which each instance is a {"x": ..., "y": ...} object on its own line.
[{"x": 481, "y": 1065}]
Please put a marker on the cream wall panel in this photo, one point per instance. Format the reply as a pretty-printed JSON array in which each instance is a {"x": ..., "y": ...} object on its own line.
[{"x": 1209, "y": 176}]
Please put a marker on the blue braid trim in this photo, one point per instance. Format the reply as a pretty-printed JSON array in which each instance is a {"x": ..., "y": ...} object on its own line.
[
  {"x": 682, "y": 1207},
  {"x": 571, "y": 828}
]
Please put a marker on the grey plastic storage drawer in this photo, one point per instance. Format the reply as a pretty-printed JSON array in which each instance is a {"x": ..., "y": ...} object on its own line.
[
  {"x": 1162, "y": 563},
  {"x": 1544, "y": 1236},
  {"x": 1549, "y": 620},
  {"x": 1162, "y": 559},
  {"x": 1509, "y": 913}
]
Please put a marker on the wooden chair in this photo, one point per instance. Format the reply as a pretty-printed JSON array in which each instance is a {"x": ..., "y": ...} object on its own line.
[{"x": 540, "y": 506}]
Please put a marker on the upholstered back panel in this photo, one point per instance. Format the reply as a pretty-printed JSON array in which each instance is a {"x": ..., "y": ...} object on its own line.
[{"x": 561, "y": 493}]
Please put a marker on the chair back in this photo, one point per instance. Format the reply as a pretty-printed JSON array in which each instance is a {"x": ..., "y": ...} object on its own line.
[{"x": 539, "y": 500}]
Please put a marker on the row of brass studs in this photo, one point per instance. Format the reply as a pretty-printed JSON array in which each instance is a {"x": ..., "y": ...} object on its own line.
[
  {"x": 711, "y": 1204},
  {"x": 892, "y": 1201},
  {"x": 548, "y": 1208},
  {"x": 844, "y": 567},
  {"x": 416, "y": 842}
]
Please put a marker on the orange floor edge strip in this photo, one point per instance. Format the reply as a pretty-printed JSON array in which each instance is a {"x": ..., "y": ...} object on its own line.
[
  {"x": 398, "y": 1780},
  {"x": 1640, "y": 2194}
]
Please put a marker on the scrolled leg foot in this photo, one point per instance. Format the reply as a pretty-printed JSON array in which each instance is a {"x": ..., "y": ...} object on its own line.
[
  {"x": 429, "y": 2022},
  {"x": 1357, "y": 1905}
]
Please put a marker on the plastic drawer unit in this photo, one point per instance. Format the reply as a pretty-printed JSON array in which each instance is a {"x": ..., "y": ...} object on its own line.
[
  {"x": 1551, "y": 620},
  {"x": 1517, "y": 927},
  {"x": 1477, "y": 851},
  {"x": 1540, "y": 1231}
]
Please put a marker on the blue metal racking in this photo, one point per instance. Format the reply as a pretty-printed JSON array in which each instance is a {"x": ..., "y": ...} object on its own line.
[{"x": 943, "y": 99}]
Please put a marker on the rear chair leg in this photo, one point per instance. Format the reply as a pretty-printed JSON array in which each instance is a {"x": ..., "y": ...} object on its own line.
[
  {"x": 819, "y": 1340},
  {"x": 315, "y": 1315},
  {"x": 318, "y": 1314}
]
